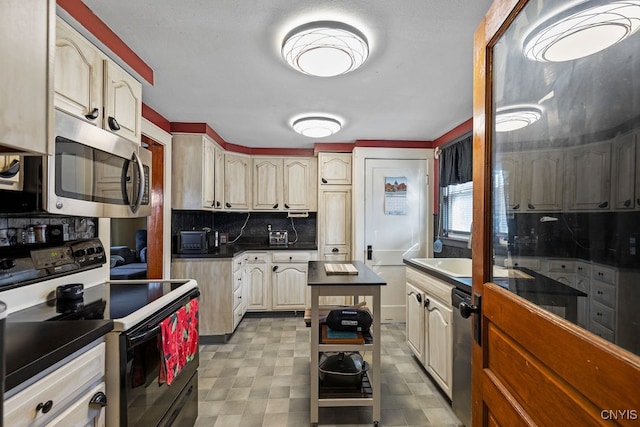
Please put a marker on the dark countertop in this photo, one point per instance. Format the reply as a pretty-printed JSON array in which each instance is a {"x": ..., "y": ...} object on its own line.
[
  {"x": 32, "y": 347},
  {"x": 229, "y": 251},
  {"x": 365, "y": 277}
]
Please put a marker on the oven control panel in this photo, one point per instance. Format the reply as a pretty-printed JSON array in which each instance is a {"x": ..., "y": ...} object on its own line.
[
  {"x": 89, "y": 252},
  {"x": 52, "y": 257}
]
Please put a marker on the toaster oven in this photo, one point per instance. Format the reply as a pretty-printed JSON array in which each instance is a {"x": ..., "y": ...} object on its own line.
[
  {"x": 278, "y": 238},
  {"x": 195, "y": 242}
]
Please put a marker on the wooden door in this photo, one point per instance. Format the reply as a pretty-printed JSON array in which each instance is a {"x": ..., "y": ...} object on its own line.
[
  {"x": 334, "y": 223},
  {"x": 257, "y": 286},
  {"x": 122, "y": 102},
  {"x": 289, "y": 286},
  {"x": 531, "y": 367},
  {"x": 267, "y": 183},
  {"x": 237, "y": 175},
  {"x": 334, "y": 168},
  {"x": 300, "y": 191}
]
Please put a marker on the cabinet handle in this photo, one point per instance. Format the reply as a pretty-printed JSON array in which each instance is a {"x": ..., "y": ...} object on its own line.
[
  {"x": 419, "y": 298},
  {"x": 228, "y": 204},
  {"x": 516, "y": 207},
  {"x": 426, "y": 302},
  {"x": 217, "y": 204},
  {"x": 530, "y": 206},
  {"x": 603, "y": 205},
  {"x": 275, "y": 267},
  {"x": 93, "y": 114},
  {"x": 275, "y": 206},
  {"x": 324, "y": 181},
  {"x": 335, "y": 250},
  {"x": 45, "y": 407},
  {"x": 627, "y": 203},
  {"x": 99, "y": 399},
  {"x": 599, "y": 292},
  {"x": 113, "y": 123},
  {"x": 598, "y": 314},
  {"x": 286, "y": 206}
]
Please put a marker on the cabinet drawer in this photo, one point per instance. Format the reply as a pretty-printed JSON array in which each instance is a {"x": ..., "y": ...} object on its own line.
[
  {"x": 603, "y": 315},
  {"x": 62, "y": 387},
  {"x": 82, "y": 412},
  {"x": 604, "y": 274},
  {"x": 604, "y": 293},
  {"x": 286, "y": 256},
  {"x": 237, "y": 280},
  {"x": 561, "y": 265},
  {"x": 530, "y": 263},
  {"x": 238, "y": 263},
  {"x": 237, "y": 316},
  {"x": 429, "y": 284},
  {"x": 601, "y": 331},
  {"x": 583, "y": 269},
  {"x": 237, "y": 298},
  {"x": 257, "y": 257}
]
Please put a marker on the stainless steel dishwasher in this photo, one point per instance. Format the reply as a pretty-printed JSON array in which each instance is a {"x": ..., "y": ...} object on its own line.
[{"x": 461, "y": 388}]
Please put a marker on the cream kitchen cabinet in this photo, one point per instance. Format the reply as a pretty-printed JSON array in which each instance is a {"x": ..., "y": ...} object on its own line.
[
  {"x": 289, "y": 280},
  {"x": 334, "y": 223},
  {"x": 10, "y": 178},
  {"x": 589, "y": 177},
  {"x": 215, "y": 282},
  {"x": 239, "y": 289},
  {"x": 415, "y": 320},
  {"x": 583, "y": 284},
  {"x": 237, "y": 184},
  {"x": 90, "y": 86},
  {"x": 284, "y": 184},
  {"x": 27, "y": 46},
  {"x": 218, "y": 173},
  {"x": 542, "y": 181},
  {"x": 437, "y": 341},
  {"x": 623, "y": 169},
  {"x": 511, "y": 168},
  {"x": 334, "y": 168},
  {"x": 71, "y": 395},
  {"x": 258, "y": 276},
  {"x": 193, "y": 172}
]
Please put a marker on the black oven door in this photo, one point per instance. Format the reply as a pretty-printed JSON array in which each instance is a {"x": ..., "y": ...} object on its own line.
[{"x": 145, "y": 401}]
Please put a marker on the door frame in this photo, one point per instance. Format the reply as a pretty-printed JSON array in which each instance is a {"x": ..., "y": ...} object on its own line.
[
  {"x": 157, "y": 134},
  {"x": 360, "y": 154},
  {"x": 590, "y": 374}
]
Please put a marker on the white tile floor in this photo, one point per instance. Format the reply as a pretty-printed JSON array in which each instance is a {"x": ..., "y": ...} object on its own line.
[{"x": 261, "y": 378}]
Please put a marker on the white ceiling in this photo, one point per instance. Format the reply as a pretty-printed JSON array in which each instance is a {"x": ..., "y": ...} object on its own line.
[{"x": 219, "y": 62}]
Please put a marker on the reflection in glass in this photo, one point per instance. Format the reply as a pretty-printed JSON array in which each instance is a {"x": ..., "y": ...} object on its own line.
[{"x": 566, "y": 187}]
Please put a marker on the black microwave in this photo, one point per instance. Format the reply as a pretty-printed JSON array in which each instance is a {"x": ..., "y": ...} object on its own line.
[{"x": 195, "y": 241}]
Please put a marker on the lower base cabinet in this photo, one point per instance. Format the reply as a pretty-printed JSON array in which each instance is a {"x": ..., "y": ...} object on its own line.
[{"x": 428, "y": 329}]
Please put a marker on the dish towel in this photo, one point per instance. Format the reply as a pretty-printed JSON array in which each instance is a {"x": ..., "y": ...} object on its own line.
[{"x": 178, "y": 341}]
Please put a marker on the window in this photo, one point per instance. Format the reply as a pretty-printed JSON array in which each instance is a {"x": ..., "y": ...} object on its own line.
[{"x": 457, "y": 210}]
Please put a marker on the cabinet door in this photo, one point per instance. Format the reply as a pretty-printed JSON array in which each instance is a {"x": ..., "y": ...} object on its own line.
[
  {"x": 300, "y": 189},
  {"x": 237, "y": 175},
  {"x": 83, "y": 412},
  {"x": 289, "y": 286},
  {"x": 218, "y": 184},
  {"x": 78, "y": 75},
  {"x": 589, "y": 177},
  {"x": 122, "y": 103},
  {"x": 438, "y": 351},
  {"x": 208, "y": 175},
  {"x": 267, "y": 183},
  {"x": 26, "y": 48},
  {"x": 623, "y": 169},
  {"x": 415, "y": 320},
  {"x": 335, "y": 168},
  {"x": 543, "y": 181},
  {"x": 334, "y": 222},
  {"x": 510, "y": 166},
  {"x": 257, "y": 287},
  {"x": 582, "y": 284}
]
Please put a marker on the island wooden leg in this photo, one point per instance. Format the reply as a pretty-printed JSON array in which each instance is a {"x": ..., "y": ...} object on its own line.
[{"x": 315, "y": 339}]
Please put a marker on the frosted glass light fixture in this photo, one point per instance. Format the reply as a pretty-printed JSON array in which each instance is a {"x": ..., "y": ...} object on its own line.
[
  {"x": 316, "y": 127},
  {"x": 583, "y": 30},
  {"x": 325, "y": 48},
  {"x": 516, "y": 117}
]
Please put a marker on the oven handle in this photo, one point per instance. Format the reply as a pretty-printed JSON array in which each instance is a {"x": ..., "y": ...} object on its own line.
[
  {"x": 143, "y": 336},
  {"x": 138, "y": 161}
]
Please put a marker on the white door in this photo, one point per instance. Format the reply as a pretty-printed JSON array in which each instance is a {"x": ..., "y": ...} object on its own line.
[{"x": 395, "y": 220}]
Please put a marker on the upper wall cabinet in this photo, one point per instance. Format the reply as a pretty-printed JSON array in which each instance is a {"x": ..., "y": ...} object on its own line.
[
  {"x": 589, "y": 174},
  {"x": 287, "y": 184},
  {"x": 192, "y": 182},
  {"x": 26, "y": 45},
  {"x": 624, "y": 172},
  {"x": 94, "y": 88},
  {"x": 335, "y": 168},
  {"x": 237, "y": 181}
]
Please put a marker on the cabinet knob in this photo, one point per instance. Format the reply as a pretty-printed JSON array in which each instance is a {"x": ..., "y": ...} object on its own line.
[
  {"x": 217, "y": 204},
  {"x": 93, "y": 114},
  {"x": 45, "y": 407},
  {"x": 113, "y": 123},
  {"x": 275, "y": 206},
  {"x": 228, "y": 204},
  {"x": 603, "y": 205},
  {"x": 627, "y": 203},
  {"x": 516, "y": 207},
  {"x": 335, "y": 250},
  {"x": 530, "y": 206},
  {"x": 426, "y": 302},
  {"x": 324, "y": 181},
  {"x": 275, "y": 267},
  {"x": 599, "y": 292},
  {"x": 99, "y": 399},
  {"x": 286, "y": 206}
]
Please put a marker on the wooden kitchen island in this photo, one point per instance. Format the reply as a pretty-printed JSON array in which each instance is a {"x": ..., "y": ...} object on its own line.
[{"x": 364, "y": 283}]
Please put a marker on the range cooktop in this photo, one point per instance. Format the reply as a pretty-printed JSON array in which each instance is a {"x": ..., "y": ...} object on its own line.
[{"x": 127, "y": 303}]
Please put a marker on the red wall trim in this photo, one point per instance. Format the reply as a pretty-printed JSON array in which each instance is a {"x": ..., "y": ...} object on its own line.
[
  {"x": 336, "y": 147},
  {"x": 454, "y": 133},
  {"x": 283, "y": 151},
  {"x": 81, "y": 13},
  {"x": 393, "y": 144},
  {"x": 156, "y": 118}
]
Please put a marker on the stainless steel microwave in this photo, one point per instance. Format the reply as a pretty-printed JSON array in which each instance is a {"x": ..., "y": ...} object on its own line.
[{"x": 94, "y": 172}]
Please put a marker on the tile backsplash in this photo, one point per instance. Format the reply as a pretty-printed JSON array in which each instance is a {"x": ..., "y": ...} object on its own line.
[{"x": 78, "y": 227}]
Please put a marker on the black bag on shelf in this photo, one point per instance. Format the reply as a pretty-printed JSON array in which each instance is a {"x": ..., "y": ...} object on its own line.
[{"x": 349, "y": 319}]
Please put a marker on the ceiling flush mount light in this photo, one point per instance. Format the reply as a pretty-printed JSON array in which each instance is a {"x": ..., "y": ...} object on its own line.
[
  {"x": 325, "y": 48},
  {"x": 582, "y": 30},
  {"x": 316, "y": 127},
  {"x": 516, "y": 117}
]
